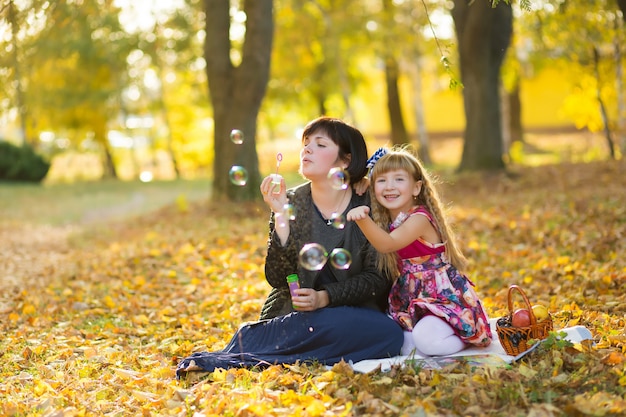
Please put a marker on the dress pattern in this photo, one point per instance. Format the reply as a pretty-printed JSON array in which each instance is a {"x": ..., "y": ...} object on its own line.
[{"x": 429, "y": 284}]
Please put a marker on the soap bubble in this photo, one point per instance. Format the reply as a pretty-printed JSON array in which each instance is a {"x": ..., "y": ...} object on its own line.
[
  {"x": 338, "y": 221},
  {"x": 313, "y": 256},
  {"x": 289, "y": 211},
  {"x": 339, "y": 178},
  {"x": 236, "y": 136},
  {"x": 340, "y": 258},
  {"x": 238, "y": 175},
  {"x": 281, "y": 220}
]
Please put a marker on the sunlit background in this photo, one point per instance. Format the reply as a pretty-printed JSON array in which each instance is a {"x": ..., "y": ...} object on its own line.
[{"x": 79, "y": 74}]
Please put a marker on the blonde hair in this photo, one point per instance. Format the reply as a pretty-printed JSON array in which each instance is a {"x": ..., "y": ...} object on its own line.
[{"x": 401, "y": 158}]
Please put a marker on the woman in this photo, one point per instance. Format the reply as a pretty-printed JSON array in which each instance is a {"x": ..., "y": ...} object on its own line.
[{"x": 337, "y": 314}]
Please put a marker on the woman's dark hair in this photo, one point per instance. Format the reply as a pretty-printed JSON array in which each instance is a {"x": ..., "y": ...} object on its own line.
[{"x": 349, "y": 140}]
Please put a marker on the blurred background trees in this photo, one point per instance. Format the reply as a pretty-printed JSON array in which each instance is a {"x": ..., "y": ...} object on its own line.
[{"x": 154, "y": 88}]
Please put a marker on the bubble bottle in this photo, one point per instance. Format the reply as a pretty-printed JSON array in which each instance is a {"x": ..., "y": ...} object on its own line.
[{"x": 294, "y": 284}]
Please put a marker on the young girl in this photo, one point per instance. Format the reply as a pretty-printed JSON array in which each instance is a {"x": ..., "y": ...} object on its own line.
[{"x": 431, "y": 299}]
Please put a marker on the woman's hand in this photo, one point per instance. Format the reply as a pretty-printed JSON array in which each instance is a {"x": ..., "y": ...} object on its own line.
[
  {"x": 358, "y": 213},
  {"x": 308, "y": 299},
  {"x": 274, "y": 192}
]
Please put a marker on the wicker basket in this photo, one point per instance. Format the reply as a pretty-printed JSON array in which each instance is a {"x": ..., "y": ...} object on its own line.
[{"x": 515, "y": 340}]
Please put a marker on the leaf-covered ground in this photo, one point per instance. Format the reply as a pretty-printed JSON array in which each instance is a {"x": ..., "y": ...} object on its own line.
[{"x": 94, "y": 319}]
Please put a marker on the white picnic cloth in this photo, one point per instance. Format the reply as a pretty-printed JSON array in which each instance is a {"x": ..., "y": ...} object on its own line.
[{"x": 575, "y": 334}]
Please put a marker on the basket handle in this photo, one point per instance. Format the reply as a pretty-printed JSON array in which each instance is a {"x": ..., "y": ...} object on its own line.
[{"x": 533, "y": 319}]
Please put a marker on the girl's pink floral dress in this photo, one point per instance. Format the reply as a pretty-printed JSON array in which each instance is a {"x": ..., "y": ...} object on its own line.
[{"x": 429, "y": 284}]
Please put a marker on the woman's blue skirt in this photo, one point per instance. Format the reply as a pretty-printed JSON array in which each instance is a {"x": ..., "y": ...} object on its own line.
[{"x": 325, "y": 336}]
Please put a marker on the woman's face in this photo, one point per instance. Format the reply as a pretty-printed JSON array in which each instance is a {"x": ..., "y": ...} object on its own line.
[{"x": 318, "y": 155}]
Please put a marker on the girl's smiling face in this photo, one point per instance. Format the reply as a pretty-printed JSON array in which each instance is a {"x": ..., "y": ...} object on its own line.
[{"x": 396, "y": 190}]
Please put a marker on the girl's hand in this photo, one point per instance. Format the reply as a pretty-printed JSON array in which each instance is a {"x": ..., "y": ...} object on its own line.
[
  {"x": 358, "y": 213},
  {"x": 308, "y": 299},
  {"x": 361, "y": 187},
  {"x": 274, "y": 194}
]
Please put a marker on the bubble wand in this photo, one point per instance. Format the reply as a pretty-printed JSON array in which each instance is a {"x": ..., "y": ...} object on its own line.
[{"x": 277, "y": 177}]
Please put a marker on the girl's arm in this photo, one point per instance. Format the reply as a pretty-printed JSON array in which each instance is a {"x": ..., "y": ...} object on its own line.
[{"x": 414, "y": 227}]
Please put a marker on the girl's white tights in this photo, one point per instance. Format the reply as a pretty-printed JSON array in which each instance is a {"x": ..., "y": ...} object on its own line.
[{"x": 432, "y": 336}]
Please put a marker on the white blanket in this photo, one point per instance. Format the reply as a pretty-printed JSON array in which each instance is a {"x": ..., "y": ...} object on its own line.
[{"x": 493, "y": 354}]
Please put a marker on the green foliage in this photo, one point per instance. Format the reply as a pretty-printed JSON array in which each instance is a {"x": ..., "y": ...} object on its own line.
[
  {"x": 21, "y": 163},
  {"x": 525, "y": 5},
  {"x": 554, "y": 30},
  {"x": 556, "y": 340},
  {"x": 454, "y": 81}
]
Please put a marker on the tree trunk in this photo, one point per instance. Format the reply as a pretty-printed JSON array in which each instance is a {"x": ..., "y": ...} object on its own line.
[
  {"x": 17, "y": 75},
  {"x": 162, "y": 103},
  {"x": 99, "y": 126},
  {"x": 622, "y": 6},
  {"x": 515, "y": 113},
  {"x": 345, "y": 93},
  {"x": 511, "y": 108},
  {"x": 170, "y": 150},
  {"x": 505, "y": 116},
  {"x": 619, "y": 84},
  {"x": 109, "y": 170},
  {"x": 168, "y": 127},
  {"x": 483, "y": 34},
  {"x": 603, "y": 112},
  {"x": 399, "y": 135},
  {"x": 388, "y": 52},
  {"x": 418, "y": 110},
  {"x": 237, "y": 92}
]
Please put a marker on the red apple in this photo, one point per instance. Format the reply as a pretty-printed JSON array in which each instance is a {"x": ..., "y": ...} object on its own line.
[{"x": 520, "y": 318}]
